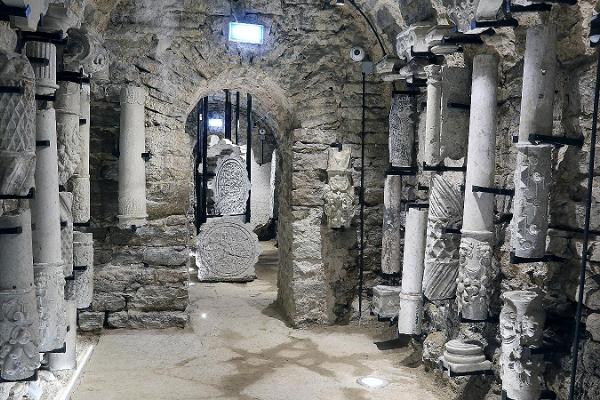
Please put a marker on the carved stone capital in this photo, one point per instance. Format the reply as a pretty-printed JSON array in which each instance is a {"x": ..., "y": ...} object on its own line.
[{"x": 133, "y": 95}]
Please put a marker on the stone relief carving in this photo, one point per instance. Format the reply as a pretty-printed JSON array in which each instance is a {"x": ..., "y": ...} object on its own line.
[
  {"x": 50, "y": 295},
  {"x": 461, "y": 13},
  {"x": 462, "y": 357},
  {"x": 442, "y": 250},
  {"x": 473, "y": 283},
  {"x": 66, "y": 231},
  {"x": 67, "y": 105},
  {"x": 532, "y": 187},
  {"x": 83, "y": 256},
  {"x": 232, "y": 186},
  {"x": 338, "y": 194},
  {"x": 402, "y": 130},
  {"x": 521, "y": 327},
  {"x": 227, "y": 251},
  {"x": 84, "y": 49},
  {"x": 391, "y": 242},
  {"x": 17, "y": 126}
]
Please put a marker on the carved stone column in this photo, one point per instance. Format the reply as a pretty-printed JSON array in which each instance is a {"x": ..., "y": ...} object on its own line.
[
  {"x": 442, "y": 249},
  {"x": 67, "y": 360},
  {"x": 478, "y": 224},
  {"x": 19, "y": 323},
  {"x": 391, "y": 243},
  {"x": 521, "y": 327},
  {"x": 45, "y": 74},
  {"x": 411, "y": 298},
  {"x": 17, "y": 126},
  {"x": 339, "y": 191},
  {"x": 402, "y": 130},
  {"x": 532, "y": 175},
  {"x": 83, "y": 256},
  {"x": 67, "y": 105},
  {"x": 66, "y": 230},
  {"x": 132, "y": 169},
  {"x": 433, "y": 115},
  {"x": 80, "y": 182}
]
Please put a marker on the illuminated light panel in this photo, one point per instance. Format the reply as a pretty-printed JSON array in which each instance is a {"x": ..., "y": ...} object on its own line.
[
  {"x": 215, "y": 123},
  {"x": 372, "y": 382},
  {"x": 246, "y": 33}
]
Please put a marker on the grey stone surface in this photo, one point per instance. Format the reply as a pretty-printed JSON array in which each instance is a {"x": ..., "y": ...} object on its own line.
[
  {"x": 392, "y": 238},
  {"x": 91, "y": 321},
  {"x": 462, "y": 357},
  {"x": 402, "y": 130},
  {"x": 386, "y": 301},
  {"x": 338, "y": 195},
  {"x": 68, "y": 106},
  {"x": 232, "y": 186},
  {"x": 66, "y": 231}
]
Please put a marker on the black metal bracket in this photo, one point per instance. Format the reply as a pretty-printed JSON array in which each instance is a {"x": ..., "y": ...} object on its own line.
[
  {"x": 473, "y": 373},
  {"x": 82, "y": 224},
  {"x": 11, "y": 89},
  {"x": 407, "y": 92},
  {"x": 443, "y": 168},
  {"x": 509, "y": 22},
  {"x": 449, "y": 230},
  {"x": 516, "y": 8},
  {"x": 82, "y": 121},
  {"x": 80, "y": 268},
  {"x": 45, "y": 97},
  {"x": 419, "y": 206},
  {"x": 39, "y": 60},
  {"x": 462, "y": 39},
  {"x": 535, "y": 138},
  {"x": 338, "y": 146},
  {"x": 547, "y": 258},
  {"x": 62, "y": 350},
  {"x": 496, "y": 191},
  {"x": 11, "y": 231},
  {"x": 70, "y": 76},
  {"x": 147, "y": 156},
  {"x": 42, "y": 143},
  {"x": 545, "y": 395},
  {"x": 503, "y": 218},
  {"x": 70, "y": 278},
  {"x": 32, "y": 378},
  {"x": 63, "y": 224},
  {"x": 56, "y": 38},
  {"x": 459, "y": 106},
  {"x": 422, "y": 187},
  {"x": 406, "y": 171},
  {"x": 29, "y": 196}
]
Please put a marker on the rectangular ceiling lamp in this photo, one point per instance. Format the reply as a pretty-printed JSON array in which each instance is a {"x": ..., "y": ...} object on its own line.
[{"x": 246, "y": 33}]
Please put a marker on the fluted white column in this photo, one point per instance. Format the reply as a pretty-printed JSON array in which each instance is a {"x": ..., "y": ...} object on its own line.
[
  {"x": 433, "y": 115},
  {"x": 45, "y": 74},
  {"x": 533, "y": 170},
  {"x": 80, "y": 182},
  {"x": 132, "y": 169},
  {"x": 411, "y": 297},
  {"x": 475, "y": 248}
]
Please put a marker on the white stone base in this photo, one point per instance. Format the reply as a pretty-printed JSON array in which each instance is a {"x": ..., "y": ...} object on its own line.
[
  {"x": 410, "y": 316},
  {"x": 386, "y": 301}
]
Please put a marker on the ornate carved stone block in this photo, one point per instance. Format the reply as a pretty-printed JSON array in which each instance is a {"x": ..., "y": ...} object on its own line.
[
  {"x": 474, "y": 277},
  {"x": 80, "y": 182},
  {"x": 227, "y": 251},
  {"x": 19, "y": 322},
  {"x": 17, "y": 126},
  {"x": 462, "y": 357},
  {"x": 386, "y": 301},
  {"x": 83, "y": 256},
  {"x": 67, "y": 106},
  {"x": 532, "y": 192},
  {"x": 132, "y": 168},
  {"x": 45, "y": 74},
  {"x": 50, "y": 294},
  {"x": 232, "y": 186},
  {"x": 66, "y": 231},
  {"x": 521, "y": 327},
  {"x": 391, "y": 242},
  {"x": 412, "y": 39},
  {"x": 442, "y": 250},
  {"x": 402, "y": 130},
  {"x": 339, "y": 192}
]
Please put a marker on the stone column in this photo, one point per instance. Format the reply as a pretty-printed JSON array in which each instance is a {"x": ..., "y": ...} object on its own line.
[
  {"x": 433, "y": 115},
  {"x": 83, "y": 256},
  {"x": 67, "y": 360},
  {"x": 67, "y": 105},
  {"x": 17, "y": 126},
  {"x": 533, "y": 170},
  {"x": 132, "y": 168},
  {"x": 478, "y": 212},
  {"x": 411, "y": 297},
  {"x": 45, "y": 74},
  {"x": 66, "y": 231},
  {"x": 19, "y": 323},
  {"x": 80, "y": 182},
  {"x": 391, "y": 243},
  {"x": 402, "y": 130},
  {"x": 522, "y": 328}
]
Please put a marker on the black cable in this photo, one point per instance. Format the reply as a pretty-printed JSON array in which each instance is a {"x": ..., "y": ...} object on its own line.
[
  {"x": 361, "y": 264},
  {"x": 370, "y": 25},
  {"x": 586, "y": 234}
]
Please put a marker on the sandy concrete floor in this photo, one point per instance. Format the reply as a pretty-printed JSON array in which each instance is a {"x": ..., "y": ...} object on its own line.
[{"x": 238, "y": 348}]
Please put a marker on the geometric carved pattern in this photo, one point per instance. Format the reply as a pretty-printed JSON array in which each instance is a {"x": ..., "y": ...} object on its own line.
[{"x": 402, "y": 130}]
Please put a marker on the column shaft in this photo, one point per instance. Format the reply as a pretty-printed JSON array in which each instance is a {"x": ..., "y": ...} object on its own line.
[
  {"x": 391, "y": 243},
  {"x": 433, "y": 115},
  {"x": 80, "y": 182}
]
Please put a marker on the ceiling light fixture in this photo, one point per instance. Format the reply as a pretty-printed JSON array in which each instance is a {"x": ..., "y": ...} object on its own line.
[{"x": 246, "y": 33}]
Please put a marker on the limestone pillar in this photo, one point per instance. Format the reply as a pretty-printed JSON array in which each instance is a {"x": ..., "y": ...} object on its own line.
[
  {"x": 67, "y": 360},
  {"x": 45, "y": 74},
  {"x": 522, "y": 328},
  {"x": 433, "y": 115},
  {"x": 478, "y": 212},
  {"x": 411, "y": 297},
  {"x": 66, "y": 231},
  {"x": 402, "y": 130},
  {"x": 83, "y": 256},
  {"x": 532, "y": 175},
  {"x": 67, "y": 105},
  {"x": 132, "y": 168},
  {"x": 17, "y": 126},
  {"x": 391, "y": 243},
  {"x": 19, "y": 322},
  {"x": 442, "y": 249},
  {"x": 80, "y": 182}
]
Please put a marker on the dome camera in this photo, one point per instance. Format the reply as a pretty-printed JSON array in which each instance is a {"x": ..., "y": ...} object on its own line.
[{"x": 357, "y": 54}]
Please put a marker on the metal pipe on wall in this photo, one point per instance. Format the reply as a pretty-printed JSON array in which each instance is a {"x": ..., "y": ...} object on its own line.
[{"x": 249, "y": 154}]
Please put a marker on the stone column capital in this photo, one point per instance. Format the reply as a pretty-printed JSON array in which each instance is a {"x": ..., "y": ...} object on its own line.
[{"x": 133, "y": 95}]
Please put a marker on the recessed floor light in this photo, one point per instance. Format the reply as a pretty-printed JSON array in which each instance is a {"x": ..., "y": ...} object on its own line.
[{"x": 372, "y": 382}]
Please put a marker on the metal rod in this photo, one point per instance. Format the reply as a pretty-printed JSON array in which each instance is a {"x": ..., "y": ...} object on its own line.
[
  {"x": 227, "y": 114},
  {"x": 586, "y": 234},
  {"x": 249, "y": 155},
  {"x": 237, "y": 117},
  {"x": 204, "y": 160},
  {"x": 361, "y": 263},
  {"x": 197, "y": 175}
]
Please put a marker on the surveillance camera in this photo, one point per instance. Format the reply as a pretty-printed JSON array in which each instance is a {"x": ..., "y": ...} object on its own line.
[{"x": 357, "y": 54}]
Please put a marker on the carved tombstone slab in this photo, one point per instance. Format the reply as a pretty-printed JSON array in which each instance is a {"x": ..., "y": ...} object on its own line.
[
  {"x": 227, "y": 251},
  {"x": 402, "y": 130},
  {"x": 19, "y": 323},
  {"x": 17, "y": 126},
  {"x": 66, "y": 231},
  {"x": 338, "y": 194},
  {"x": 232, "y": 186}
]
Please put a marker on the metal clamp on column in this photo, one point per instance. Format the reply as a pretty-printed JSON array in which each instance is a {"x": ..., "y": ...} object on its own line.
[
  {"x": 336, "y": 145},
  {"x": 82, "y": 121},
  {"x": 80, "y": 268},
  {"x": 57, "y": 38},
  {"x": 535, "y": 138},
  {"x": 62, "y": 350},
  {"x": 42, "y": 143},
  {"x": 495, "y": 191},
  {"x": 547, "y": 258},
  {"x": 419, "y": 206},
  {"x": 70, "y": 76},
  {"x": 17, "y": 230},
  {"x": 29, "y": 196},
  {"x": 39, "y": 60},
  {"x": 452, "y": 374},
  {"x": 147, "y": 156},
  {"x": 501, "y": 23},
  {"x": 407, "y": 171},
  {"x": 11, "y": 89},
  {"x": 45, "y": 97},
  {"x": 442, "y": 168},
  {"x": 82, "y": 224}
]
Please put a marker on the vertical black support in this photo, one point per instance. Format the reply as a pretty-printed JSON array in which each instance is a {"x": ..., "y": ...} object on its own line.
[
  {"x": 586, "y": 235},
  {"x": 249, "y": 154},
  {"x": 361, "y": 263},
  {"x": 204, "y": 160},
  {"x": 227, "y": 114},
  {"x": 198, "y": 178},
  {"x": 237, "y": 117}
]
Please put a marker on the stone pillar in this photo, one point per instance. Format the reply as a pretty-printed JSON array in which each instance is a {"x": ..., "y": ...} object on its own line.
[
  {"x": 402, "y": 130},
  {"x": 411, "y": 298},
  {"x": 67, "y": 360},
  {"x": 522, "y": 328},
  {"x": 66, "y": 231},
  {"x": 433, "y": 115},
  {"x": 17, "y": 126},
  {"x": 19, "y": 323},
  {"x": 532, "y": 175},
  {"x": 442, "y": 249},
  {"x": 338, "y": 195},
  {"x": 132, "y": 168},
  {"x": 80, "y": 182},
  {"x": 391, "y": 243},
  {"x": 83, "y": 256},
  {"x": 478, "y": 212},
  {"x": 67, "y": 105},
  {"x": 45, "y": 74}
]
